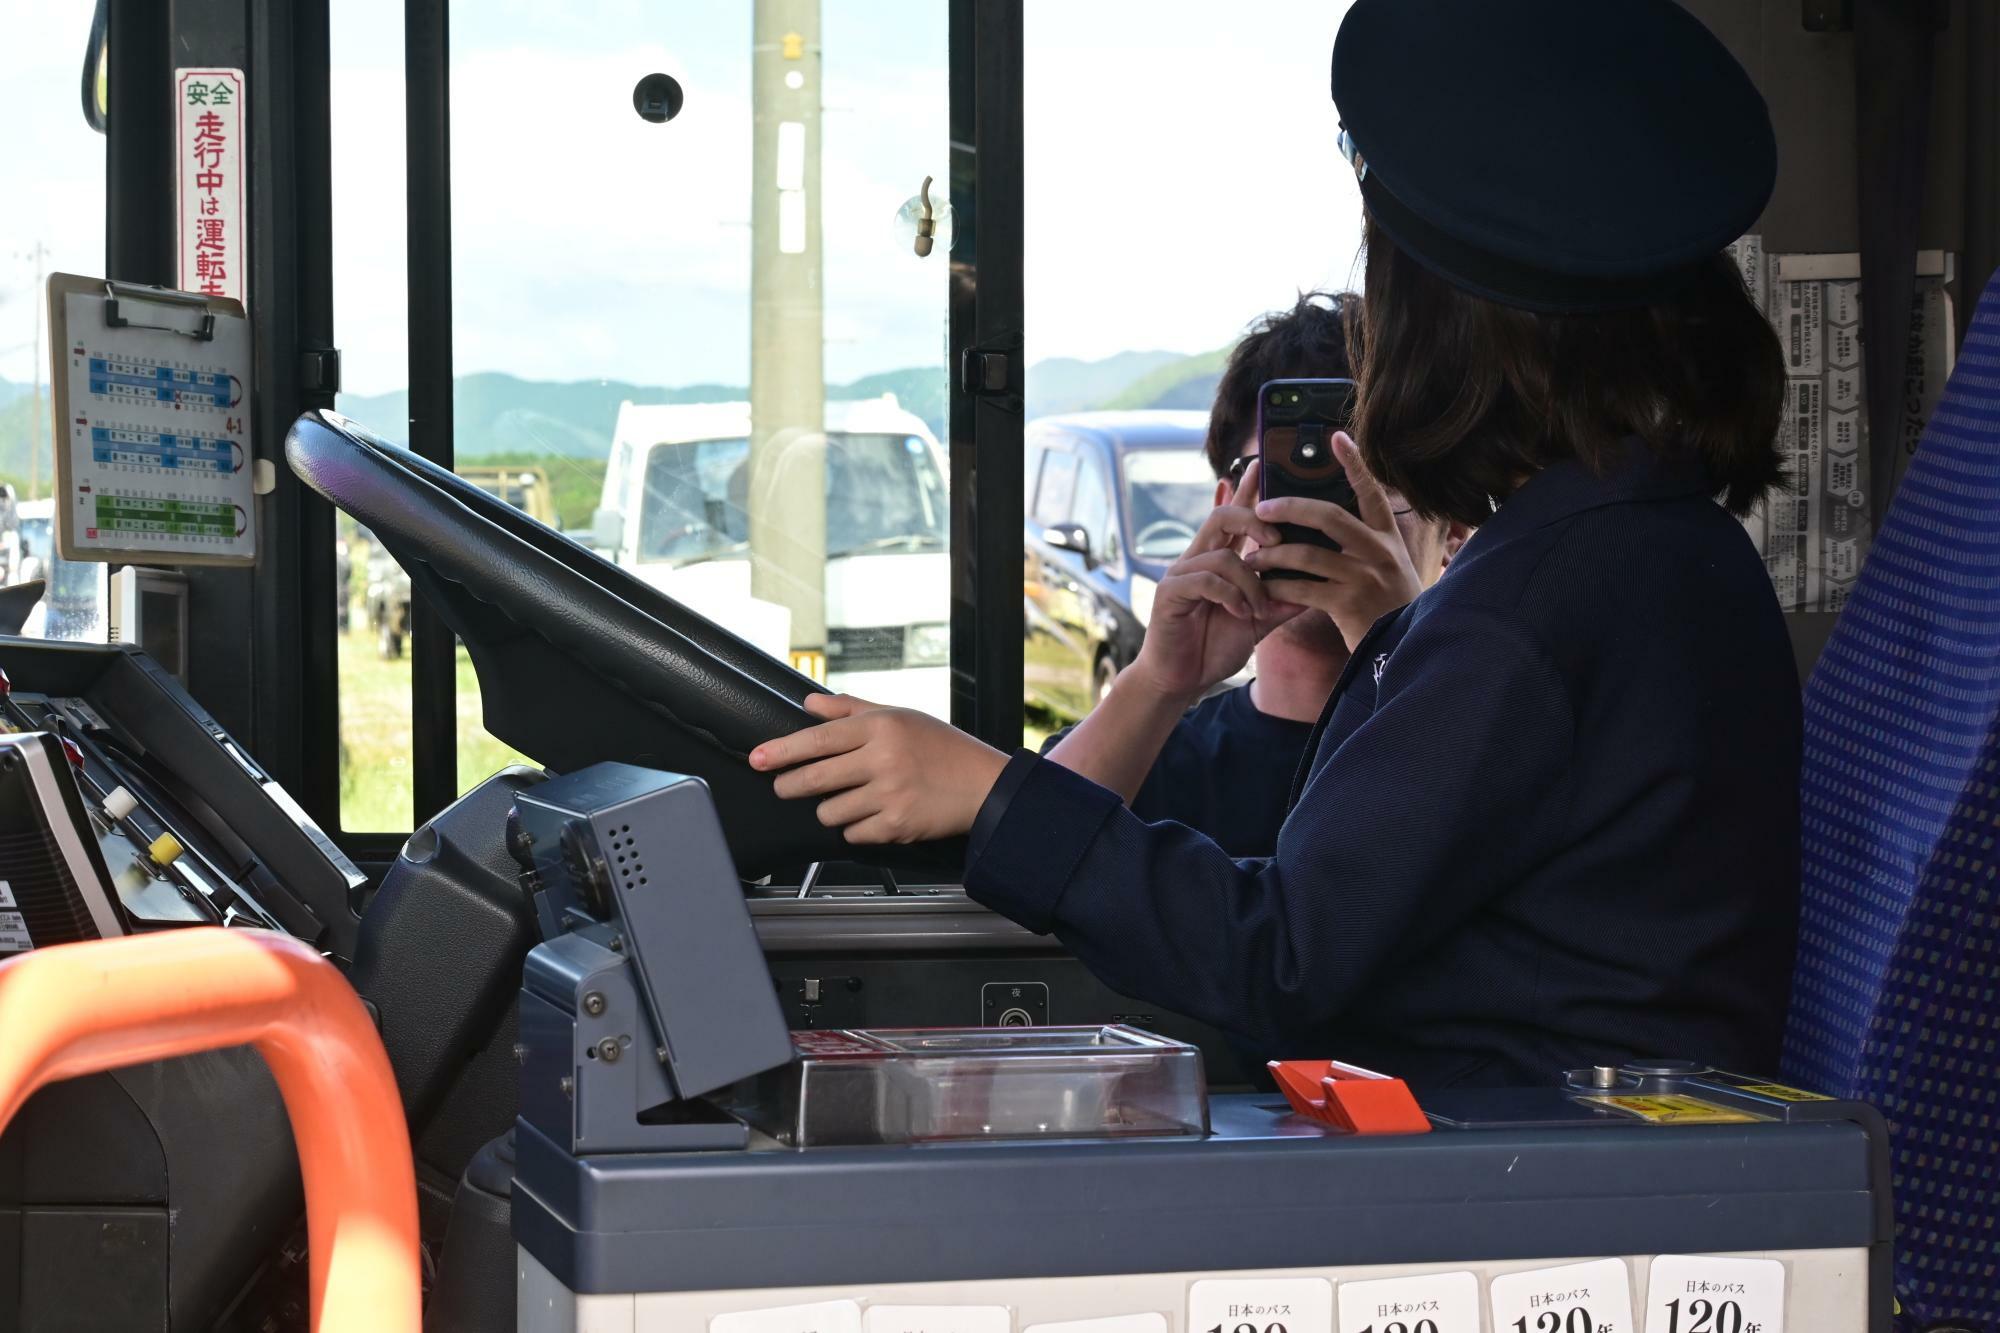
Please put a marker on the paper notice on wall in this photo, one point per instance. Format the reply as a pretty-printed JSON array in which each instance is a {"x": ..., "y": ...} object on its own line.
[
  {"x": 210, "y": 182},
  {"x": 1814, "y": 531}
]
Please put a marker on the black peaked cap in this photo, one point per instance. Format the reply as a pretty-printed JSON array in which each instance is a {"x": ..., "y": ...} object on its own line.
[{"x": 1556, "y": 155}]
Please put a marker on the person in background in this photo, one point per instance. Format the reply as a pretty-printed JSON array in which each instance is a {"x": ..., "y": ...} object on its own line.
[{"x": 1225, "y": 766}]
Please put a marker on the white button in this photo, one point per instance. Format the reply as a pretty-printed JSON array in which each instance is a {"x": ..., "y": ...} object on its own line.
[{"x": 119, "y": 804}]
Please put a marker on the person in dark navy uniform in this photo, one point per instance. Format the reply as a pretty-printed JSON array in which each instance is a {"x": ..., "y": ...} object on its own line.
[
  {"x": 1550, "y": 817},
  {"x": 1225, "y": 766}
]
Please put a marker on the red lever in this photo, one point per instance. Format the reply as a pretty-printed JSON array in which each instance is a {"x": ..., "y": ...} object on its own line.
[{"x": 1349, "y": 1098}]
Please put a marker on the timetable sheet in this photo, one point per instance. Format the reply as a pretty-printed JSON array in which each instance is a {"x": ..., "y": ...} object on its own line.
[{"x": 157, "y": 464}]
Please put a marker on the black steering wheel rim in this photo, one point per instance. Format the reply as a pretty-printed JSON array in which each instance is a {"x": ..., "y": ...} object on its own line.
[{"x": 501, "y": 580}]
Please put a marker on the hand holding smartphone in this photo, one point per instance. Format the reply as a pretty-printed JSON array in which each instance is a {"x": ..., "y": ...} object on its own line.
[{"x": 1296, "y": 421}]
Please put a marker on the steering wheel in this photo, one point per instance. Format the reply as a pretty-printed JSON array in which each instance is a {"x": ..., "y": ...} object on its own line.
[
  {"x": 580, "y": 661},
  {"x": 1170, "y": 527}
]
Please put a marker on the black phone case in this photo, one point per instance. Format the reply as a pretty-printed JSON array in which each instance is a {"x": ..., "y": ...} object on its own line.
[{"x": 1282, "y": 475}]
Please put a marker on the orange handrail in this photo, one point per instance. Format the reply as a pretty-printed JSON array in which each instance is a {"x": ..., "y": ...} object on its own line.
[{"x": 74, "y": 1009}]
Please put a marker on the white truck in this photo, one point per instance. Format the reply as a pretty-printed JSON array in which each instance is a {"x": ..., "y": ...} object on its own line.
[{"x": 675, "y": 511}]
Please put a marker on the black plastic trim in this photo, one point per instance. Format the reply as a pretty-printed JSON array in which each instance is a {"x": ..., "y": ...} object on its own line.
[{"x": 986, "y": 322}]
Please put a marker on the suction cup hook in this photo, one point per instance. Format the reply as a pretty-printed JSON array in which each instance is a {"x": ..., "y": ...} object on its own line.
[{"x": 924, "y": 222}]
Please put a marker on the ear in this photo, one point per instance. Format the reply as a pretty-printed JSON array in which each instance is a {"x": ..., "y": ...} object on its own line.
[
  {"x": 1223, "y": 491},
  {"x": 1454, "y": 537}
]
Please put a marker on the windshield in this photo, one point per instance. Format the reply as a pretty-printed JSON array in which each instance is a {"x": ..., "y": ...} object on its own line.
[
  {"x": 1168, "y": 492},
  {"x": 884, "y": 493}
]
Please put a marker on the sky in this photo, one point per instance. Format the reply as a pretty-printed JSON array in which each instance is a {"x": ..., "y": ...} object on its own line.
[
  {"x": 1181, "y": 178},
  {"x": 52, "y": 186}
]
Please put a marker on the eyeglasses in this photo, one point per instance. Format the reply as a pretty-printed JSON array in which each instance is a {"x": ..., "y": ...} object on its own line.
[
  {"x": 1348, "y": 150},
  {"x": 1240, "y": 464}
]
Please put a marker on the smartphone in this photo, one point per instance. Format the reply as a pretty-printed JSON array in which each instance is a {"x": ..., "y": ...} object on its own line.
[{"x": 1296, "y": 420}]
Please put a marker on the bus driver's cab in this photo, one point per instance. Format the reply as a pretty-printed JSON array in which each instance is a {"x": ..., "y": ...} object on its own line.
[{"x": 682, "y": 361}]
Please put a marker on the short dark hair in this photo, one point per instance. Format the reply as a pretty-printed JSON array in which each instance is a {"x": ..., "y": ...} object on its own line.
[
  {"x": 1309, "y": 341},
  {"x": 1461, "y": 398}
]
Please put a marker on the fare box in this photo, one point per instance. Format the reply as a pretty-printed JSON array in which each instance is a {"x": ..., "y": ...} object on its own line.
[
  {"x": 1261, "y": 1305},
  {"x": 1444, "y": 1302},
  {"x": 1576, "y": 1298},
  {"x": 1688, "y": 1293}
]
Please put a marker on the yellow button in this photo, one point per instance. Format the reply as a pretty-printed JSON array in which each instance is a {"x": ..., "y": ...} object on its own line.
[{"x": 166, "y": 849}]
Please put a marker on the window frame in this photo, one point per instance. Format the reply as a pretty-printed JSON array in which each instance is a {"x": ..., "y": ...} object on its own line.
[{"x": 985, "y": 413}]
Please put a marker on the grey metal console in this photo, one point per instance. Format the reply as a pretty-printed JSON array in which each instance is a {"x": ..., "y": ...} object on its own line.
[
  {"x": 639, "y": 1202},
  {"x": 1267, "y": 1192}
]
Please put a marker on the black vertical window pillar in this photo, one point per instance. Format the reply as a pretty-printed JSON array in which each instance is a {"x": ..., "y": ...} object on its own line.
[
  {"x": 433, "y": 650},
  {"x": 986, "y": 365},
  {"x": 139, "y": 145},
  {"x": 316, "y": 368}
]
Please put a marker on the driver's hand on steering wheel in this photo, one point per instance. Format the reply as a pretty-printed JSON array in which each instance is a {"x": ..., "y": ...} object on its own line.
[{"x": 884, "y": 775}]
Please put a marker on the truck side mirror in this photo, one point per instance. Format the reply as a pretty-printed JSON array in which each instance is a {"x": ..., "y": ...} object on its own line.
[{"x": 607, "y": 529}]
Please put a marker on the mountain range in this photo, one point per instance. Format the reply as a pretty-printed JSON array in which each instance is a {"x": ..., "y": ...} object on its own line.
[{"x": 499, "y": 414}]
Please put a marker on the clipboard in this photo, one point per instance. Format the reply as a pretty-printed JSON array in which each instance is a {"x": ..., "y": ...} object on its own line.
[{"x": 152, "y": 392}]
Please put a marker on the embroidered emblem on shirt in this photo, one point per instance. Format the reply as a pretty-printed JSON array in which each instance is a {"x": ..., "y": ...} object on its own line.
[{"x": 1381, "y": 661}]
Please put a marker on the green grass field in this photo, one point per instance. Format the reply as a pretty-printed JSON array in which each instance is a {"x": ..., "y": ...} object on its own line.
[{"x": 375, "y": 735}]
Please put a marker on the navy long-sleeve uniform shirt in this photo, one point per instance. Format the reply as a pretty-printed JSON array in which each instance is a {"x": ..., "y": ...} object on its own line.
[
  {"x": 1550, "y": 817},
  {"x": 1226, "y": 770}
]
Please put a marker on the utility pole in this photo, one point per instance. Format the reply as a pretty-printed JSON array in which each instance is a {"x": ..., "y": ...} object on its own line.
[
  {"x": 39, "y": 256},
  {"x": 787, "y": 343}
]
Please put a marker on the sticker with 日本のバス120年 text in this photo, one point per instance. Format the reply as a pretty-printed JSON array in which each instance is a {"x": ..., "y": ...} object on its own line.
[
  {"x": 1692, "y": 1293},
  {"x": 1575, "y": 1298}
]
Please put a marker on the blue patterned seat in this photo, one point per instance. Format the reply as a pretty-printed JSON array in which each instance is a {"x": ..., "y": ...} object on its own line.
[{"x": 1897, "y": 996}]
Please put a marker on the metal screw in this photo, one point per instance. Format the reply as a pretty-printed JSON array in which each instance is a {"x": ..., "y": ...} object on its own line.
[
  {"x": 568, "y": 1086},
  {"x": 593, "y": 1003},
  {"x": 520, "y": 1054},
  {"x": 618, "y": 944},
  {"x": 660, "y": 1053},
  {"x": 607, "y": 1050}
]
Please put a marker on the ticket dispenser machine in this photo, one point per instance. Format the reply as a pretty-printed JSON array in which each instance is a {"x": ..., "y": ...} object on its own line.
[{"x": 684, "y": 1165}]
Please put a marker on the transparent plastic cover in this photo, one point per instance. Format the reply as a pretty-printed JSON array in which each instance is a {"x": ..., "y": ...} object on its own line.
[{"x": 930, "y": 1085}]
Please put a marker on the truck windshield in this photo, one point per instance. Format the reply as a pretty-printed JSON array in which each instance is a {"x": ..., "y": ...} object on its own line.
[
  {"x": 884, "y": 493},
  {"x": 1168, "y": 493}
]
